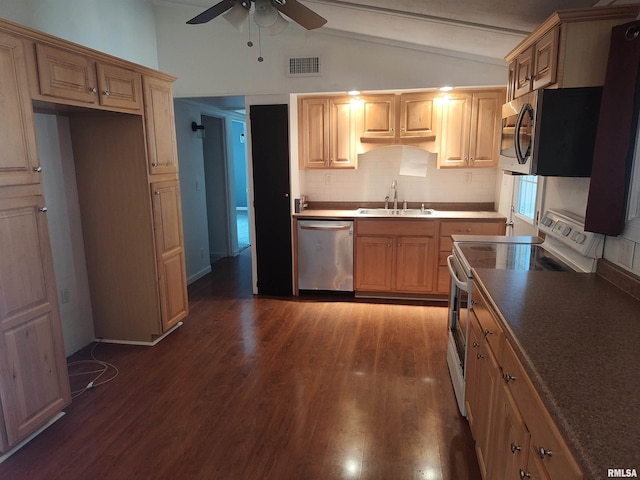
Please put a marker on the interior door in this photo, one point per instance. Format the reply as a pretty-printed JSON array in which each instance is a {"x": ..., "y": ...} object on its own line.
[{"x": 272, "y": 205}]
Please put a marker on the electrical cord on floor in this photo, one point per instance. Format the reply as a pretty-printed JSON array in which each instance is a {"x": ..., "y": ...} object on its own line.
[{"x": 100, "y": 372}]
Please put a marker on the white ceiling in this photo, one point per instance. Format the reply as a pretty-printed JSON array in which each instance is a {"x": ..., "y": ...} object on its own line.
[{"x": 486, "y": 28}]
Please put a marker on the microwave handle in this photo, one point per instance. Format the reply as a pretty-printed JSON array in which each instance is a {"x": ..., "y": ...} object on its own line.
[{"x": 522, "y": 159}]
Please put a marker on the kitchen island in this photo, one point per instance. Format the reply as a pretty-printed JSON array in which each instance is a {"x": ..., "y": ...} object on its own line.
[{"x": 577, "y": 336}]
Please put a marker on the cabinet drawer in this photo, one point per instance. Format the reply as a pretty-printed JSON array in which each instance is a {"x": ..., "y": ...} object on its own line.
[
  {"x": 490, "y": 326},
  {"x": 471, "y": 228},
  {"x": 545, "y": 436},
  {"x": 387, "y": 227}
]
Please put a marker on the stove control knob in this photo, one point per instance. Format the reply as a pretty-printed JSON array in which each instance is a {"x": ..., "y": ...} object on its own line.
[
  {"x": 580, "y": 238},
  {"x": 566, "y": 230},
  {"x": 546, "y": 221}
]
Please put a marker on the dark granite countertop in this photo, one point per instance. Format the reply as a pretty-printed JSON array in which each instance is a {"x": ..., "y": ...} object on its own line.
[{"x": 578, "y": 337}]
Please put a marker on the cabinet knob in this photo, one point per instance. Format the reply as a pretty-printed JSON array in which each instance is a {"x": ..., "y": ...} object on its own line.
[
  {"x": 471, "y": 159},
  {"x": 515, "y": 448},
  {"x": 476, "y": 344},
  {"x": 479, "y": 356},
  {"x": 157, "y": 192},
  {"x": 155, "y": 164},
  {"x": 544, "y": 453},
  {"x": 509, "y": 378},
  {"x": 468, "y": 229},
  {"x": 487, "y": 332},
  {"x": 93, "y": 89},
  {"x": 43, "y": 209},
  {"x": 37, "y": 169},
  {"x": 524, "y": 474},
  {"x": 388, "y": 244},
  {"x": 106, "y": 93}
]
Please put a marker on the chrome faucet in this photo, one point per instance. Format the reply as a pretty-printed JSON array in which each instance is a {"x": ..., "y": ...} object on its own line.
[
  {"x": 386, "y": 202},
  {"x": 394, "y": 187}
]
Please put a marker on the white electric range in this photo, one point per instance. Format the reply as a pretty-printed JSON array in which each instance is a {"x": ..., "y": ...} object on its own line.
[{"x": 566, "y": 247}]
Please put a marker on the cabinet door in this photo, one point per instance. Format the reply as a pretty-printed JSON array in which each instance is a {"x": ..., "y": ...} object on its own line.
[
  {"x": 34, "y": 384},
  {"x": 546, "y": 59},
  {"x": 342, "y": 134},
  {"x": 523, "y": 72},
  {"x": 18, "y": 152},
  {"x": 456, "y": 119},
  {"x": 314, "y": 132},
  {"x": 167, "y": 223},
  {"x": 415, "y": 264},
  {"x": 417, "y": 115},
  {"x": 474, "y": 356},
  {"x": 160, "y": 126},
  {"x": 64, "y": 74},
  {"x": 488, "y": 381},
  {"x": 119, "y": 87},
  {"x": 374, "y": 261},
  {"x": 484, "y": 141},
  {"x": 379, "y": 116}
]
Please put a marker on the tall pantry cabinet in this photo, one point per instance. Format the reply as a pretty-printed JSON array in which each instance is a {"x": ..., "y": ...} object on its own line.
[{"x": 124, "y": 149}]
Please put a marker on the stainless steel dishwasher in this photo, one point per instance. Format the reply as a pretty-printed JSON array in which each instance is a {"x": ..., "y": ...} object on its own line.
[{"x": 325, "y": 255}]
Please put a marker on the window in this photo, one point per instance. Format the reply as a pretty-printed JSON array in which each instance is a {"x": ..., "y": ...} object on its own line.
[{"x": 527, "y": 187}]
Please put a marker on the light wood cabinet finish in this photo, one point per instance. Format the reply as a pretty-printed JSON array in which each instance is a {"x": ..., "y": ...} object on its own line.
[
  {"x": 569, "y": 49},
  {"x": 327, "y": 129},
  {"x": 395, "y": 256},
  {"x": 34, "y": 384},
  {"x": 470, "y": 130},
  {"x": 396, "y": 118},
  {"x": 18, "y": 151},
  {"x": 160, "y": 126},
  {"x": 167, "y": 222},
  {"x": 69, "y": 75},
  {"x": 510, "y": 424}
]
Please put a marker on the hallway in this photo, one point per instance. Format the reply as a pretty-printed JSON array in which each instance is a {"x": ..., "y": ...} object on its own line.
[{"x": 267, "y": 388}]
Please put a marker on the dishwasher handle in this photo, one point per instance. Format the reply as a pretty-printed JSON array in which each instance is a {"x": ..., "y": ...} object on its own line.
[
  {"x": 464, "y": 286},
  {"x": 325, "y": 227}
]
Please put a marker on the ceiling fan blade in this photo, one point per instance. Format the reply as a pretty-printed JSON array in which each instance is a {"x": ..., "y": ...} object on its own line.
[
  {"x": 212, "y": 12},
  {"x": 301, "y": 14}
]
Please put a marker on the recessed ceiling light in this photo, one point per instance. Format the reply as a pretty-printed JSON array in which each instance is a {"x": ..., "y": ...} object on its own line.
[
  {"x": 354, "y": 92},
  {"x": 446, "y": 89}
]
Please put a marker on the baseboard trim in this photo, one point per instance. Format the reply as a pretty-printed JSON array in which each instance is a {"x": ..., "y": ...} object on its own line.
[
  {"x": 141, "y": 343},
  {"x": 18, "y": 446},
  {"x": 199, "y": 275}
]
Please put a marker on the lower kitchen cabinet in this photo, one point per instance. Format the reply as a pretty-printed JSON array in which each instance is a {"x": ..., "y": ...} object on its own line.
[
  {"x": 34, "y": 384},
  {"x": 403, "y": 262},
  {"x": 515, "y": 435}
]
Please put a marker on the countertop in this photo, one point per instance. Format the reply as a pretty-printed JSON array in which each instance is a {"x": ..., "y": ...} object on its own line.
[
  {"x": 437, "y": 215},
  {"x": 578, "y": 337}
]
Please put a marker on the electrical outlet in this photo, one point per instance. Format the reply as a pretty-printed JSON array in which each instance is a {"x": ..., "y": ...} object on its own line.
[
  {"x": 327, "y": 179},
  {"x": 64, "y": 295},
  {"x": 467, "y": 177},
  {"x": 626, "y": 252}
]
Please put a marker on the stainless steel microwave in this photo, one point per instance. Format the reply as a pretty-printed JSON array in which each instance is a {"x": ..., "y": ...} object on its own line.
[{"x": 550, "y": 132}]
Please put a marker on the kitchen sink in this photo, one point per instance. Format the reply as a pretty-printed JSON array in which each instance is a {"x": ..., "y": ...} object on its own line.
[{"x": 400, "y": 212}]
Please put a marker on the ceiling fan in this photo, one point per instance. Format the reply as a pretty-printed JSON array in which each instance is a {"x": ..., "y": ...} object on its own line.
[{"x": 266, "y": 14}]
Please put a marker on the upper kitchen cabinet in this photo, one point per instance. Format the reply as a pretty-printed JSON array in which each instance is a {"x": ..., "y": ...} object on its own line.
[
  {"x": 392, "y": 118},
  {"x": 18, "y": 155},
  {"x": 160, "y": 125},
  {"x": 570, "y": 49},
  {"x": 65, "y": 75},
  {"x": 470, "y": 133},
  {"x": 327, "y": 127}
]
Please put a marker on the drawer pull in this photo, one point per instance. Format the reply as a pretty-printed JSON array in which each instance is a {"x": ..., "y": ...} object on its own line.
[
  {"x": 487, "y": 332},
  {"x": 544, "y": 453},
  {"x": 509, "y": 378},
  {"x": 515, "y": 448},
  {"x": 524, "y": 474}
]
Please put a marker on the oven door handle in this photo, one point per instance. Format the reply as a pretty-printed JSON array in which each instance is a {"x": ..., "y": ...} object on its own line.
[{"x": 464, "y": 286}]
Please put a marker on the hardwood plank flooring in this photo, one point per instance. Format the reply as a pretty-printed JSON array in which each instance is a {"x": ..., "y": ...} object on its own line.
[{"x": 267, "y": 388}]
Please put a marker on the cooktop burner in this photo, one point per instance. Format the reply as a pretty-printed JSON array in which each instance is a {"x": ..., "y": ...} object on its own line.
[{"x": 508, "y": 256}]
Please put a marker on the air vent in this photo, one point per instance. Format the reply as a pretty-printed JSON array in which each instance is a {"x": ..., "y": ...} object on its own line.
[{"x": 304, "y": 67}]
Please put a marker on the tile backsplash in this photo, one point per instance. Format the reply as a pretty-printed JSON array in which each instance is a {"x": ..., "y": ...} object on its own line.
[{"x": 371, "y": 181}]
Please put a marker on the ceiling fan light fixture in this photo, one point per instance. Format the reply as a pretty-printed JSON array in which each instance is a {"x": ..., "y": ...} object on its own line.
[
  {"x": 237, "y": 15},
  {"x": 279, "y": 26},
  {"x": 265, "y": 14}
]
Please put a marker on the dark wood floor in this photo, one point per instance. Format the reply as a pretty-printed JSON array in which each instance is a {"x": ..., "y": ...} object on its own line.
[{"x": 267, "y": 388}]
